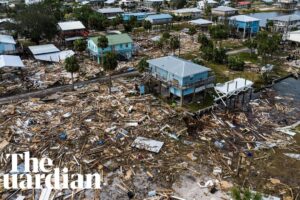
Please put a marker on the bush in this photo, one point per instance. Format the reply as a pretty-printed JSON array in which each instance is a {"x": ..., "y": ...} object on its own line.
[
  {"x": 235, "y": 63},
  {"x": 79, "y": 45}
]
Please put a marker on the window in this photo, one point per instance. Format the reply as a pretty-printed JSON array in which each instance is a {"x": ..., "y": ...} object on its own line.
[{"x": 126, "y": 45}]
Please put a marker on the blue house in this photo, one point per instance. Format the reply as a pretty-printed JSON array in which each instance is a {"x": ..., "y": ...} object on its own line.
[
  {"x": 246, "y": 24},
  {"x": 159, "y": 19},
  {"x": 7, "y": 44},
  {"x": 122, "y": 44},
  {"x": 140, "y": 16},
  {"x": 181, "y": 77}
]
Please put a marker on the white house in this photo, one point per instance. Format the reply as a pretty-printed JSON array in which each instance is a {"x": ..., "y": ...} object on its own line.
[{"x": 203, "y": 3}]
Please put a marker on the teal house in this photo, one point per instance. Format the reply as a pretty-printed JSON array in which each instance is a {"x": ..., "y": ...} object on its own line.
[
  {"x": 121, "y": 44},
  {"x": 180, "y": 77},
  {"x": 247, "y": 25}
]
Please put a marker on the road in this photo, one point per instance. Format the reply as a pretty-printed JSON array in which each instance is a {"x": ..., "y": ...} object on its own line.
[
  {"x": 243, "y": 50},
  {"x": 63, "y": 88}
]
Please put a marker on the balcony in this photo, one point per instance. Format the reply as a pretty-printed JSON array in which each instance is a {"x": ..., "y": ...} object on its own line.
[{"x": 175, "y": 83}]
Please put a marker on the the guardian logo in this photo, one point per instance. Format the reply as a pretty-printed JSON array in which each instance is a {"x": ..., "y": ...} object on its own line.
[{"x": 39, "y": 173}]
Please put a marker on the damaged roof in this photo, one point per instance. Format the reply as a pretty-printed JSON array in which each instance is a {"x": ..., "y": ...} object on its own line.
[
  {"x": 7, "y": 39},
  {"x": 10, "y": 61}
]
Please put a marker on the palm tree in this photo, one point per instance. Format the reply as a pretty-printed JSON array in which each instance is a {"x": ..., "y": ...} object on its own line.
[
  {"x": 102, "y": 44},
  {"x": 174, "y": 43},
  {"x": 110, "y": 64},
  {"x": 72, "y": 66},
  {"x": 192, "y": 32}
]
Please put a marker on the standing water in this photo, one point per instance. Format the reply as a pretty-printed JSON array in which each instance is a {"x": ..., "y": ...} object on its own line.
[{"x": 263, "y": 16}]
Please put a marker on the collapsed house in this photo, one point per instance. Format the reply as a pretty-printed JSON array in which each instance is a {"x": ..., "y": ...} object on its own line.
[
  {"x": 49, "y": 53},
  {"x": 10, "y": 61}
]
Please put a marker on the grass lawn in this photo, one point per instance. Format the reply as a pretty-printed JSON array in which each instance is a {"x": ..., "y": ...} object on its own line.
[
  {"x": 231, "y": 44},
  {"x": 247, "y": 57}
]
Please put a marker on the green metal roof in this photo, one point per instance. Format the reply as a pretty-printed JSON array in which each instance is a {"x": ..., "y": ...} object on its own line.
[{"x": 115, "y": 39}]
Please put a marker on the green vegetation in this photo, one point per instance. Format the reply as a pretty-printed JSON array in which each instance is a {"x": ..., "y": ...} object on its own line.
[
  {"x": 174, "y": 43},
  {"x": 34, "y": 24},
  {"x": 204, "y": 103},
  {"x": 110, "y": 63},
  {"x": 102, "y": 44},
  {"x": 219, "y": 32},
  {"x": 147, "y": 25},
  {"x": 142, "y": 65},
  {"x": 244, "y": 194},
  {"x": 236, "y": 63},
  {"x": 72, "y": 66},
  {"x": 79, "y": 45}
]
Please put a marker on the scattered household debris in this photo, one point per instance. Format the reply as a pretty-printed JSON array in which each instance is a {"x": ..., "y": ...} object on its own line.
[{"x": 147, "y": 144}]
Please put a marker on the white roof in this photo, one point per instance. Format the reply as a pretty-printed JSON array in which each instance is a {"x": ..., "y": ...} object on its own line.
[
  {"x": 208, "y": 1},
  {"x": 187, "y": 10},
  {"x": 7, "y": 39},
  {"x": 7, "y": 20},
  {"x": 294, "y": 36},
  {"x": 110, "y": 1},
  {"x": 287, "y": 18},
  {"x": 178, "y": 66},
  {"x": 233, "y": 86},
  {"x": 71, "y": 25},
  {"x": 110, "y": 10},
  {"x": 200, "y": 22},
  {"x": 55, "y": 57},
  {"x": 224, "y": 8},
  {"x": 43, "y": 49},
  {"x": 10, "y": 61},
  {"x": 244, "y": 18}
]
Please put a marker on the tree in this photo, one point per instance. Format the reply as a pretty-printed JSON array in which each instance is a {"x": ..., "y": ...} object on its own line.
[
  {"x": 147, "y": 25},
  {"x": 156, "y": 6},
  {"x": 174, "y": 43},
  {"x": 83, "y": 14},
  {"x": 219, "y": 55},
  {"x": 204, "y": 41},
  {"x": 79, "y": 45},
  {"x": 267, "y": 45},
  {"x": 102, "y": 44},
  {"x": 72, "y": 66},
  {"x": 177, "y": 4},
  {"x": 235, "y": 63},
  {"x": 207, "y": 11},
  {"x": 128, "y": 27},
  {"x": 192, "y": 32},
  {"x": 160, "y": 44},
  {"x": 269, "y": 25},
  {"x": 251, "y": 44},
  {"x": 166, "y": 35},
  {"x": 110, "y": 64},
  {"x": 142, "y": 65},
  {"x": 219, "y": 32},
  {"x": 98, "y": 21},
  {"x": 36, "y": 22}
]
